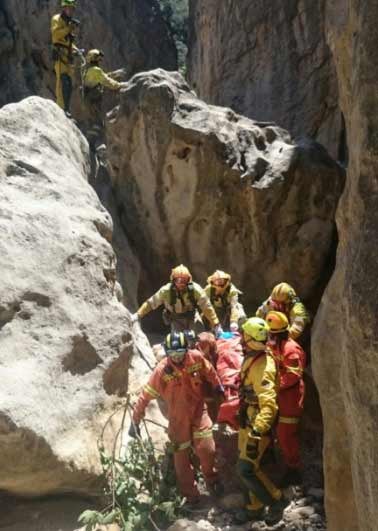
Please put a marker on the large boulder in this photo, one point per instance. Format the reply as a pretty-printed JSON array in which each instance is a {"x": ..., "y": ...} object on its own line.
[
  {"x": 269, "y": 61},
  {"x": 65, "y": 339},
  {"x": 207, "y": 187},
  {"x": 123, "y": 29},
  {"x": 345, "y": 335}
]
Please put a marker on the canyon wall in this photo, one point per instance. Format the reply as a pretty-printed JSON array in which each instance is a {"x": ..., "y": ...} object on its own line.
[{"x": 269, "y": 61}]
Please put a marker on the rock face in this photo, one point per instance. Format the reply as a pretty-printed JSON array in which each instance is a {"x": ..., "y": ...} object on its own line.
[
  {"x": 269, "y": 61},
  {"x": 123, "y": 29},
  {"x": 65, "y": 340},
  {"x": 207, "y": 187},
  {"x": 345, "y": 335}
]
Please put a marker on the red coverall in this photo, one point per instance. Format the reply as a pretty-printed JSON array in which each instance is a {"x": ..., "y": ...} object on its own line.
[
  {"x": 291, "y": 361},
  {"x": 182, "y": 388}
]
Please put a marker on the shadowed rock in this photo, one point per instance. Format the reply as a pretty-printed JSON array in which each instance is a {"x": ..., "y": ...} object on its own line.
[{"x": 202, "y": 185}]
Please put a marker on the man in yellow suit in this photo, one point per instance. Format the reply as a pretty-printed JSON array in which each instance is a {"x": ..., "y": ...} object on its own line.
[
  {"x": 95, "y": 80},
  {"x": 284, "y": 299},
  {"x": 258, "y": 410},
  {"x": 181, "y": 298},
  {"x": 224, "y": 297},
  {"x": 63, "y": 28}
]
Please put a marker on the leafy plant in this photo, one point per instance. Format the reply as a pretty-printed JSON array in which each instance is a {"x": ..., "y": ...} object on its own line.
[
  {"x": 176, "y": 15},
  {"x": 140, "y": 488}
]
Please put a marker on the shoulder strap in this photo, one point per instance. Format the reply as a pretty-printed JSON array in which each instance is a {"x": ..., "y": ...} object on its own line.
[
  {"x": 225, "y": 296},
  {"x": 253, "y": 360},
  {"x": 192, "y": 295},
  {"x": 172, "y": 295}
]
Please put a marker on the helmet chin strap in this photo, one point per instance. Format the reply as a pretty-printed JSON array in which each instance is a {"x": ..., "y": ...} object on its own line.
[{"x": 255, "y": 345}]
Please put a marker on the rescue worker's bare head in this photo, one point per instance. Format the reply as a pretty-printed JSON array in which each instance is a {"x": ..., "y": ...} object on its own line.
[
  {"x": 181, "y": 277},
  {"x": 68, "y": 7},
  {"x": 176, "y": 346}
]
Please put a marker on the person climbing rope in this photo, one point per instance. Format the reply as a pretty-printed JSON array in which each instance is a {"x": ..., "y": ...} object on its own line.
[
  {"x": 63, "y": 27},
  {"x": 181, "y": 298},
  {"x": 94, "y": 82},
  {"x": 178, "y": 379},
  {"x": 224, "y": 297},
  {"x": 284, "y": 299},
  {"x": 291, "y": 361},
  {"x": 258, "y": 409}
]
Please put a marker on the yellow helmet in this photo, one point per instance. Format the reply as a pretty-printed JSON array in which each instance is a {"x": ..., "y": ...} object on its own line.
[
  {"x": 219, "y": 280},
  {"x": 94, "y": 55},
  {"x": 181, "y": 271},
  {"x": 256, "y": 328},
  {"x": 283, "y": 292},
  {"x": 277, "y": 322}
]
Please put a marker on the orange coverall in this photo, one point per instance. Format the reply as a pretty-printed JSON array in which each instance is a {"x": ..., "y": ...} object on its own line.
[
  {"x": 291, "y": 361},
  {"x": 182, "y": 388}
]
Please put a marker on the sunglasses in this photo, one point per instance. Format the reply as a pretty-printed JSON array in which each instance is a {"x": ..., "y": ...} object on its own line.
[{"x": 220, "y": 283}]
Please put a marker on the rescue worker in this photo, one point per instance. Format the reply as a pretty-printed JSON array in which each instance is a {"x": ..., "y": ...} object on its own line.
[
  {"x": 291, "y": 361},
  {"x": 181, "y": 297},
  {"x": 258, "y": 409},
  {"x": 284, "y": 299},
  {"x": 63, "y": 27},
  {"x": 224, "y": 297},
  {"x": 178, "y": 379},
  {"x": 95, "y": 80}
]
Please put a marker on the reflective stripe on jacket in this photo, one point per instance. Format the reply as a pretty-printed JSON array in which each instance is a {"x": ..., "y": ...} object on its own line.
[
  {"x": 182, "y": 304},
  {"x": 228, "y": 303},
  {"x": 291, "y": 361},
  {"x": 181, "y": 387},
  {"x": 296, "y": 313}
]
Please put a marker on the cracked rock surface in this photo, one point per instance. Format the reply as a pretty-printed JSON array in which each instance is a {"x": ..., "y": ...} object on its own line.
[
  {"x": 201, "y": 185},
  {"x": 65, "y": 339}
]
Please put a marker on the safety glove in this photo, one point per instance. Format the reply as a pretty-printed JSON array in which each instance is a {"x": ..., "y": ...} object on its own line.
[
  {"x": 252, "y": 449},
  {"x": 234, "y": 327},
  {"x": 134, "y": 430},
  {"x": 218, "y": 330}
]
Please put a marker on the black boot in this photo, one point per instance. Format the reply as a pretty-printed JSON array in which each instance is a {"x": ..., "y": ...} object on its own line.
[{"x": 275, "y": 512}]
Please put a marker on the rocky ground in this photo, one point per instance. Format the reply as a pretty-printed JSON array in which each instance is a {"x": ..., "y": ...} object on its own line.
[{"x": 304, "y": 513}]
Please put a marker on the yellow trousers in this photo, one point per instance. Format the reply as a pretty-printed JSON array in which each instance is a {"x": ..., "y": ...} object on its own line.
[
  {"x": 262, "y": 490},
  {"x": 63, "y": 96}
]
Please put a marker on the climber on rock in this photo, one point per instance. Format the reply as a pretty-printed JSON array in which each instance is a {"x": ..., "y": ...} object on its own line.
[
  {"x": 284, "y": 299},
  {"x": 258, "y": 409},
  {"x": 224, "y": 297},
  {"x": 291, "y": 361},
  {"x": 179, "y": 380},
  {"x": 63, "y": 27},
  {"x": 182, "y": 298},
  {"x": 94, "y": 81}
]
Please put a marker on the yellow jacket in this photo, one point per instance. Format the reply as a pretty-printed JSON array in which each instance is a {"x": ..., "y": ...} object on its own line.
[
  {"x": 295, "y": 312},
  {"x": 62, "y": 35},
  {"x": 259, "y": 388},
  {"x": 228, "y": 302},
  {"x": 181, "y": 303},
  {"x": 96, "y": 76}
]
